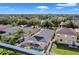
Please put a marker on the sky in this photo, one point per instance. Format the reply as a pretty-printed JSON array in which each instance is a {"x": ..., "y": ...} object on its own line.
[{"x": 39, "y": 8}]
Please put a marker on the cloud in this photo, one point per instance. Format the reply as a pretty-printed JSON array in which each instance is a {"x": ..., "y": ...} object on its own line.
[
  {"x": 42, "y": 7},
  {"x": 76, "y": 9},
  {"x": 8, "y": 8},
  {"x": 43, "y": 11},
  {"x": 67, "y": 4},
  {"x": 3, "y": 7},
  {"x": 12, "y": 9},
  {"x": 59, "y": 7}
]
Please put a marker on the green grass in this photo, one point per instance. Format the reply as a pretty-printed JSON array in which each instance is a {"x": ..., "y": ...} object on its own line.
[
  {"x": 6, "y": 51},
  {"x": 64, "y": 50},
  {"x": 9, "y": 52}
]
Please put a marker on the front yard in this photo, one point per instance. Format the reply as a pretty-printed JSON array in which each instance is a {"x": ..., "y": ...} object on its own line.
[{"x": 63, "y": 50}]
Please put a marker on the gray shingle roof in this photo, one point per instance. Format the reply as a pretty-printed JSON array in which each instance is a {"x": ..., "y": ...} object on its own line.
[
  {"x": 2, "y": 27},
  {"x": 12, "y": 29},
  {"x": 42, "y": 38}
]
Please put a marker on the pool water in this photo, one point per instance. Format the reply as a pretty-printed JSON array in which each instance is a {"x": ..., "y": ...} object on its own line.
[{"x": 37, "y": 49}]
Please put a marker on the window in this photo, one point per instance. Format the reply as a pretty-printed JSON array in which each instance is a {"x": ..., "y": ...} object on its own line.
[
  {"x": 36, "y": 45},
  {"x": 61, "y": 39},
  {"x": 58, "y": 35},
  {"x": 77, "y": 39},
  {"x": 73, "y": 43},
  {"x": 73, "y": 37}
]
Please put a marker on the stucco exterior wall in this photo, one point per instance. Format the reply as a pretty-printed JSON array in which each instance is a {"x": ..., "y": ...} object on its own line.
[{"x": 65, "y": 39}]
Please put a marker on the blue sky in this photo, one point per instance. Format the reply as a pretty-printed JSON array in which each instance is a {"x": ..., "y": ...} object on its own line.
[{"x": 39, "y": 8}]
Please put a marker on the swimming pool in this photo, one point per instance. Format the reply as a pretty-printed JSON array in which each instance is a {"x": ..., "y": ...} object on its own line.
[{"x": 37, "y": 49}]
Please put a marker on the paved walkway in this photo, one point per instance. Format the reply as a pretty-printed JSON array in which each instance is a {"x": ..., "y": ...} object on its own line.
[{"x": 49, "y": 47}]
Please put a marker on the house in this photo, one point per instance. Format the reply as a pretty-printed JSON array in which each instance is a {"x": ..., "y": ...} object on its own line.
[
  {"x": 40, "y": 40},
  {"x": 7, "y": 29},
  {"x": 11, "y": 29},
  {"x": 77, "y": 31},
  {"x": 3, "y": 28},
  {"x": 66, "y": 36}
]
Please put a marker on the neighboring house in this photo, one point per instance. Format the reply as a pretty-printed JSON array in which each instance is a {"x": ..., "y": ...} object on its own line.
[
  {"x": 66, "y": 36},
  {"x": 3, "y": 27},
  {"x": 7, "y": 29},
  {"x": 77, "y": 31},
  {"x": 11, "y": 29},
  {"x": 40, "y": 40}
]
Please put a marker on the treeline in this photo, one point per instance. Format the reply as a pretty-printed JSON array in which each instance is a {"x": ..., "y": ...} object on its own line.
[{"x": 42, "y": 20}]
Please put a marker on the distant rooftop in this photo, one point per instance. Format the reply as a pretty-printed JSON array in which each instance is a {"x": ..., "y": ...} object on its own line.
[
  {"x": 8, "y": 28},
  {"x": 2, "y": 27}
]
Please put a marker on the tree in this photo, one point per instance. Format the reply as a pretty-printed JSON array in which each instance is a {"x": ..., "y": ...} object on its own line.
[
  {"x": 76, "y": 23},
  {"x": 22, "y": 21},
  {"x": 4, "y": 20},
  {"x": 46, "y": 23},
  {"x": 4, "y": 38},
  {"x": 13, "y": 24},
  {"x": 34, "y": 22},
  {"x": 55, "y": 22},
  {"x": 12, "y": 40},
  {"x": 69, "y": 24}
]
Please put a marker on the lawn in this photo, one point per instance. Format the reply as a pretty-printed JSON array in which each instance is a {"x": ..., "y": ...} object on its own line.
[
  {"x": 4, "y": 51},
  {"x": 64, "y": 50}
]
